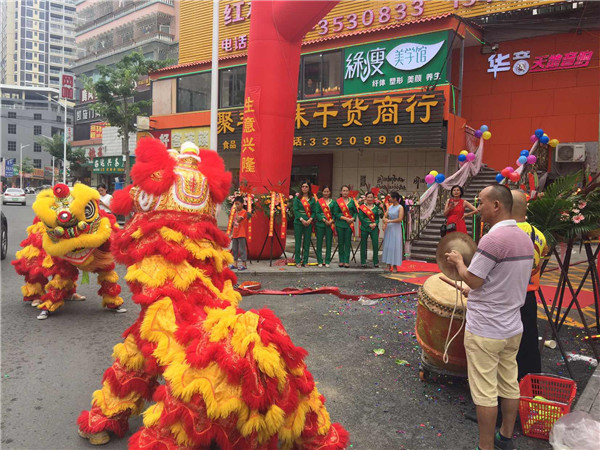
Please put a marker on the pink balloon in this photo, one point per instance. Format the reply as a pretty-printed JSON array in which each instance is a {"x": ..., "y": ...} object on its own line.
[
  {"x": 510, "y": 169},
  {"x": 470, "y": 156},
  {"x": 533, "y": 138},
  {"x": 531, "y": 159},
  {"x": 519, "y": 163},
  {"x": 429, "y": 178}
]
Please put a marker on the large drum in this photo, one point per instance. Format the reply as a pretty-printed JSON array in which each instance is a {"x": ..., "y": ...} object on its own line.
[{"x": 434, "y": 312}]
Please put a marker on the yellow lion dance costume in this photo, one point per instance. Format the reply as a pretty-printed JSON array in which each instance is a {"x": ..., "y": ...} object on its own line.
[
  {"x": 232, "y": 379},
  {"x": 70, "y": 233}
]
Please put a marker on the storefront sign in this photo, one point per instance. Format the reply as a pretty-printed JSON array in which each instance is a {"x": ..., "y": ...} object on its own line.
[
  {"x": 96, "y": 130},
  {"x": 85, "y": 113},
  {"x": 38, "y": 173},
  {"x": 346, "y": 18},
  {"x": 111, "y": 164},
  {"x": 522, "y": 62},
  {"x": 66, "y": 86},
  {"x": 9, "y": 167},
  {"x": 199, "y": 136},
  {"x": 86, "y": 96},
  {"x": 396, "y": 64},
  {"x": 381, "y": 121}
]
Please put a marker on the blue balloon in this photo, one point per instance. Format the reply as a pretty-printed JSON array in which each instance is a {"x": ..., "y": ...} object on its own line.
[
  {"x": 462, "y": 158},
  {"x": 522, "y": 159},
  {"x": 499, "y": 178},
  {"x": 525, "y": 153},
  {"x": 439, "y": 178},
  {"x": 485, "y": 128},
  {"x": 539, "y": 132},
  {"x": 544, "y": 139}
]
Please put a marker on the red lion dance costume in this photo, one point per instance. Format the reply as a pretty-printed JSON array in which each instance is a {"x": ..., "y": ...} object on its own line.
[
  {"x": 232, "y": 379},
  {"x": 70, "y": 233}
]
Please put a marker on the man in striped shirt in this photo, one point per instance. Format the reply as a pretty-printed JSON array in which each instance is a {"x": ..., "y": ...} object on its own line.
[{"x": 497, "y": 277}]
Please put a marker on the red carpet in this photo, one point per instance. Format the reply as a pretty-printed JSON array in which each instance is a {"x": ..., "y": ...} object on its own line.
[
  {"x": 586, "y": 298},
  {"x": 418, "y": 266}
]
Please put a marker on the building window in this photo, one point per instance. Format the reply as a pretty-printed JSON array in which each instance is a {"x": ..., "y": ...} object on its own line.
[
  {"x": 233, "y": 84},
  {"x": 12, "y": 146},
  {"x": 37, "y": 130},
  {"x": 37, "y": 147},
  {"x": 321, "y": 74},
  {"x": 68, "y": 121},
  {"x": 56, "y": 131},
  {"x": 12, "y": 115},
  {"x": 37, "y": 163},
  {"x": 193, "y": 92},
  {"x": 37, "y": 117},
  {"x": 12, "y": 128},
  {"x": 59, "y": 118}
]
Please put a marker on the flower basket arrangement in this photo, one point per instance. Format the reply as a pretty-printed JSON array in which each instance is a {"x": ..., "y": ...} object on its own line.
[{"x": 568, "y": 209}]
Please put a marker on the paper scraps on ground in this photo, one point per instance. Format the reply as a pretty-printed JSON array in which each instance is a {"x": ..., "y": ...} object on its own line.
[{"x": 333, "y": 290}]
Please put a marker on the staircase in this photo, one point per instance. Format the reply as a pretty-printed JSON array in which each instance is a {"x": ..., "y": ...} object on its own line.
[{"x": 424, "y": 247}]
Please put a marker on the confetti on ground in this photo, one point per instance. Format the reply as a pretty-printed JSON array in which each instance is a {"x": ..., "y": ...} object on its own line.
[{"x": 379, "y": 351}]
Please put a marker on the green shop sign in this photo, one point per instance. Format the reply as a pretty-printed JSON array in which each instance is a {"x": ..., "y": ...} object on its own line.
[
  {"x": 110, "y": 164},
  {"x": 396, "y": 64}
]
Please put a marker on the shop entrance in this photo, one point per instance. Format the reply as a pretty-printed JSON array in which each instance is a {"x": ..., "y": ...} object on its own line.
[{"x": 318, "y": 169}]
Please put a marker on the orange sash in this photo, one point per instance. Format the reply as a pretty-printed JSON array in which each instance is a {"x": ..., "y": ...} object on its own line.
[
  {"x": 283, "y": 216},
  {"x": 250, "y": 199},
  {"x": 306, "y": 205},
  {"x": 368, "y": 212},
  {"x": 230, "y": 223},
  {"x": 345, "y": 211},
  {"x": 326, "y": 211}
]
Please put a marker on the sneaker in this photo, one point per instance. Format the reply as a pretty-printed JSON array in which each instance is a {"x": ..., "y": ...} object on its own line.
[
  {"x": 77, "y": 298},
  {"x": 242, "y": 268},
  {"x": 43, "y": 315},
  {"x": 364, "y": 266},
  {"x": 95, "y": 438},
  {"x": 500, "y": 443},
  {"x": 232, "y": 267},
  {"x": 326, "y": 265},
  {"x": 36, "y": 302},
  {"x": 320, "y": 265},
  {"x": 119, "y": 310}
]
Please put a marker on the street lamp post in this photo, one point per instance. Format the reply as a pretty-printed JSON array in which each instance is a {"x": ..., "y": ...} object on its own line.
[{"x": 21, "y": 164}]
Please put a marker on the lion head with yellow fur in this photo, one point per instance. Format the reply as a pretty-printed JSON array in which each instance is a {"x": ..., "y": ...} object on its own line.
[{"x": 75, "y": 225}]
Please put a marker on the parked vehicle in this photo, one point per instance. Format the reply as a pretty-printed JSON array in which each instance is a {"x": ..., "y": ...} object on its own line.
[
  {"x": 14, "y": 195},
  {"x": 3, "y": 236},
  {"x": 30, "y": 190},
  {"x": 41, "y": 188}
]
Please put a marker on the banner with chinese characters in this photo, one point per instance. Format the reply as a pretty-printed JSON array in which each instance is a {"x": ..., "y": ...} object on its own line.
[
  {"x": 523, "y": 62},
  {"x": 110, "y": 164},
  {"x": 345, "y": 19},
  {"x": 396, "y": 64},
  {"x": 412, "y": 119},
  {"x": 96, "y": 130},
  {"x": 251, "y": 137}
]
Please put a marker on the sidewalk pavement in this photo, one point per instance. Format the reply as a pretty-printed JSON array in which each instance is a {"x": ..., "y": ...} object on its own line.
[{"x": 589, "y": 401}]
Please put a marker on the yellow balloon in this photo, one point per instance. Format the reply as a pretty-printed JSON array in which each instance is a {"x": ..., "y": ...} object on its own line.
[
  {"x": 434, "y": 173},
  {"x": 464, "y": 152},
  {"x": 545, "y": 135},
  {"x": 553, "y": 142},
  {"x": 487, "y": 135}
]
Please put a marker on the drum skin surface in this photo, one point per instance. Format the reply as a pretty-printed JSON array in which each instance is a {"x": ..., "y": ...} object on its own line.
[{"x": 436, "y": 302}]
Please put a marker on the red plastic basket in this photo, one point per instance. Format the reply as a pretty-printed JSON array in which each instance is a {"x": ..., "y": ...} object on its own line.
[{"x": 537, "y": 415}]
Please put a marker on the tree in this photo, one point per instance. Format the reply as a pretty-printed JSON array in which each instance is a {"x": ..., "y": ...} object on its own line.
[
  {"x": 114, "y": 91},
  {"x": 55, "y": 147},
  {"x": 27, "y": 165}
]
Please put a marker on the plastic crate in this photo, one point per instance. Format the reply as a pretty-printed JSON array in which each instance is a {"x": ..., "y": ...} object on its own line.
[{"x": 537, "y": 415}]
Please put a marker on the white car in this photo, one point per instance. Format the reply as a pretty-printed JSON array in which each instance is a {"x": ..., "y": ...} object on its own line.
[{"x": 14, "y": 195}]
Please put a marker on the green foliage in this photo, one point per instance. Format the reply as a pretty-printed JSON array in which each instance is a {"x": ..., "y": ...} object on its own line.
[
  {"x": 566, "y": 210},
  {"x": 27, "y": 166}
]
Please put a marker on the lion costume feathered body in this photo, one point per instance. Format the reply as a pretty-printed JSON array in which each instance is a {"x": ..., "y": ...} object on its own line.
[
  {"x": 232, "y": 378},
  {"x": 70, "y": 233}
]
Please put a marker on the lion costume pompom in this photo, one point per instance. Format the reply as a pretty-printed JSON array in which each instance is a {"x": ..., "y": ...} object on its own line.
[
  {"x": 69, "y": 234},
  {"x": 232, "y": 379}
]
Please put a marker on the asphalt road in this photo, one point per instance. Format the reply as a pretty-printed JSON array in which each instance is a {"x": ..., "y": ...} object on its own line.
[{"x": 50, "y": 368}]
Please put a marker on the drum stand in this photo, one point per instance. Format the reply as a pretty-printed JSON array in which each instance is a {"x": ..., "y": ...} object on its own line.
[{"x": 555, "y": 322}]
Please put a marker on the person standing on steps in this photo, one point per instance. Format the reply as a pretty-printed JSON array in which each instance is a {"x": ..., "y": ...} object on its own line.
[
  {"x": 304, "y": 206},
  {"x": 393, "y": 245},
  {"x": 368, "y": 215},
  {"x": 325, "y": 226},
  {"x": 344, "y": 211},
  {"x": 454, "y": 210},
  {"x": 497, "y": 277}
]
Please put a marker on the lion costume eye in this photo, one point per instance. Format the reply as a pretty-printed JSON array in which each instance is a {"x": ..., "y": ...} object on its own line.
[{"x": 90, "y": 210}]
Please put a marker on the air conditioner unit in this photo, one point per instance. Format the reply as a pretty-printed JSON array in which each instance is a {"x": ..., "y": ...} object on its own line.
[{"x": 570, "y": 153}]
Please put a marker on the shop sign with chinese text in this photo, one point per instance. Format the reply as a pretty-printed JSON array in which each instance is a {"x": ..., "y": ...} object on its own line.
[
  {"x": 522, "y": 62},
  {"x": 411, "y": 119},
  {"x": 111, "y": 164},
  {"x": 396, "y": 64}
]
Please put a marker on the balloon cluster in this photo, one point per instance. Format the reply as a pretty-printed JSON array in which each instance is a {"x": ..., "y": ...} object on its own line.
[
  {"x": 543, "y": 138},
  {"x": 508, "y": 172},
  {"x": 483, "y": 132},
  {"x": 434, "y": 177},
  {"x": 466, "y": 156}
]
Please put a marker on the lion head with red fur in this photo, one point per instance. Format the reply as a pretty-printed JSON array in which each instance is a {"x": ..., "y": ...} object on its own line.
[{"x": 190, "y": 180}]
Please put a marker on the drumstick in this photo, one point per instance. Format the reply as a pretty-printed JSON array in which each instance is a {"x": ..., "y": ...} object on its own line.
[{"x": 454, "y": 285}]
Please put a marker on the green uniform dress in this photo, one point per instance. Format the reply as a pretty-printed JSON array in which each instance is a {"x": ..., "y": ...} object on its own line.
[
  {"x": 302, "y": 232},
  {"x": 343, "y": 230},
  {"x": 323, "y": 230},
  {"x": 366, "y": 231}
]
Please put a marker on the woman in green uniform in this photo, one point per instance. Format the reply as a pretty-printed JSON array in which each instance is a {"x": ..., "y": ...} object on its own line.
[
  {"x": 304, "y": 206},
  {"x": 325, "y": 224},
  {"x": 369, "y": 214},
  {"x": 344, "y": 212}
]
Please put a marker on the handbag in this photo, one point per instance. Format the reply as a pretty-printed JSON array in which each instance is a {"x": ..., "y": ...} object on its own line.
[{"x": 446, "y": 228}]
